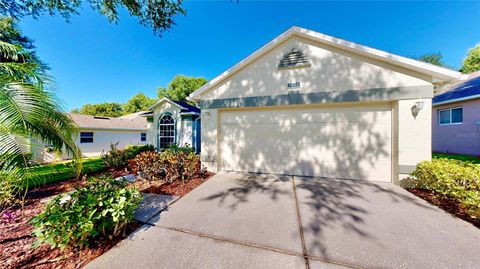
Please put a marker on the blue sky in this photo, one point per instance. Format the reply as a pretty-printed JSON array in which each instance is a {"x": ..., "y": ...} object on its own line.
[{"x": 95, "y": 61}]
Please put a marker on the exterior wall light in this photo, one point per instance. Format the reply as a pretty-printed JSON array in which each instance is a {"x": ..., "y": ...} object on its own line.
[{"x": 416, "y": 108}]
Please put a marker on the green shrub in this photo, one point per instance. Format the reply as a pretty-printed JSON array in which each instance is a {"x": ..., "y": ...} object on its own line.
[
  {"x": 147, "y": 165},
  {"x": 452, "y": 178},
  {"x": 172, "y": 164},
  {"x": 180, "y": 163},
  {"x": 102, "y": 208},
  {"x": 133, "y": 150},
  {"x": 118, "y": 158}
]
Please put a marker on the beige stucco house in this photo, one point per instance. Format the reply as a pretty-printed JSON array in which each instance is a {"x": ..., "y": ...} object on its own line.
[{"x": 314, "y": 105}]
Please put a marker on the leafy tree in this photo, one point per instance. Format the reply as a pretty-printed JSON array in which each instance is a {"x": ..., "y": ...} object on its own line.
[
  {"x": 139, "y": 102},
  {"x": 180, "y": 87},
  {"x": 104, "y": 109},
  {"x": 156, "y": 14},
  {"x": 435, "y": 58},
  {"x": 472, "y": 61},
  {"x": 10, "y": 33},
  {"x": 29, "y": 112}
]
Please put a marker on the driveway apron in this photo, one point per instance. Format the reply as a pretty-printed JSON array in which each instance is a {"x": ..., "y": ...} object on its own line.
[{"x": 237, "y": 220}]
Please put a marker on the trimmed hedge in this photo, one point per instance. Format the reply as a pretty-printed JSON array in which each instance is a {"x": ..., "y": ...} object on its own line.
[{"x": 459, "y": 180}]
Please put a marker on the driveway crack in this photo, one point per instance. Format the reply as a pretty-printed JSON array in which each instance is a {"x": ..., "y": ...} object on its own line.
[{"x": 300, "y": 226}]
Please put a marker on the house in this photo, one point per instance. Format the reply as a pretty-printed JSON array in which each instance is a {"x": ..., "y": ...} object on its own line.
[
  {"x": 96, "y": 134},
  {"x": 456, "y": 118},
  {"x": 174, "y": 122},
  {"x": 309, "y": 104}
]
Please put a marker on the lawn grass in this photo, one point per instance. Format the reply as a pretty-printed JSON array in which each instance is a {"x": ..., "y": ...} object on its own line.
[
  {"x": 460, "y": 157},
  {"x": 55, "y": 172}
]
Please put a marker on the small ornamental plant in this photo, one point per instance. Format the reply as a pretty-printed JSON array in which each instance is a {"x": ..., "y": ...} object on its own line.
[
  {"x": 102, "y": 208},
  {"x": 455, "y": 179},
  {"x": 118, "y": 158},
  {"x": 172, "y": 164},
  {"x": 147, "y": 165}
]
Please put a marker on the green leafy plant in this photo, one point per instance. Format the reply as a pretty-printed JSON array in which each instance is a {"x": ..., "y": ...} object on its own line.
[
  {"x": 118, "y": 158},
  {"x": 456, "y": 179},
  {"x": 172, "y": 164},
  {"x": 30, "y": 113},
  {"x": 102, "y": 208},
  {"x": 133, "y": 150},
  {"x": 115, "y": 158},
  {"x": 148, "y": 166},
  {"x": 180, "y": 163}
]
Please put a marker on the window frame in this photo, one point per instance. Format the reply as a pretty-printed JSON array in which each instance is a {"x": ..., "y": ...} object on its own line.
[
  {"x": 143, "y": 137},
  {"x": 87, "y": 142},
  {"x": 449, "y": 116},
  {"x": 171, "y": 125}
]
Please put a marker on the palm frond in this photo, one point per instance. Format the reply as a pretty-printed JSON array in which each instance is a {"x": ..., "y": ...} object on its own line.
[
  {"x": 9, "y": 51},
  {"x": 29, "y": 110}
]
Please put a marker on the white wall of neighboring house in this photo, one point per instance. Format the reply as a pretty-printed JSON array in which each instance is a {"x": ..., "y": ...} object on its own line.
[{"x": 103, "y": 138}]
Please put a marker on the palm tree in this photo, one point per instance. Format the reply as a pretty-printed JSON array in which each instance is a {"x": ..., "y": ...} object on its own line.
[{"x": 29, "y": 112}]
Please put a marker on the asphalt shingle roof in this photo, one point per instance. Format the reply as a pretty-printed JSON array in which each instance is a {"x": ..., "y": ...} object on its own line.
[
  {"x": 127, "y": 123},
  {"x": 470, "y": 87}
]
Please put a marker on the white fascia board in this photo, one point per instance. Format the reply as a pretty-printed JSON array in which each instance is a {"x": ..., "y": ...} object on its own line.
[
  {"x": 111, "y": 129},
  {"x": 189, "y": 113},
  {"x": 252, "y": 57},
  {"x": 164, "y": 99},
  {"x": 438, "y": 73},
  {"x": 435, "y": 71}
]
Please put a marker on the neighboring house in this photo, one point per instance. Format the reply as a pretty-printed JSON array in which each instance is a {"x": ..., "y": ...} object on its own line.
[
  {"x": 456, "y": 118},
  {"x": 97, "y": 133},
  {"x": 309, "y": 104},
  {"x": 174, "y": 122}
]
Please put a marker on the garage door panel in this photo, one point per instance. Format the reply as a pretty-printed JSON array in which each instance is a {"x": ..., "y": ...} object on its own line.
[
  {"x": 285, "y": 117},
  {"x": 349, "y": 143}
]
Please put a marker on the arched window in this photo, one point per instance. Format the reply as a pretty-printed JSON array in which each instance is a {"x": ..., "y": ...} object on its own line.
[{"x": 166, "y": 131}]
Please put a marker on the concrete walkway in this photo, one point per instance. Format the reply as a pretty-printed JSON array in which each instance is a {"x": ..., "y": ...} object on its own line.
[{"x": 263, "y": 221}]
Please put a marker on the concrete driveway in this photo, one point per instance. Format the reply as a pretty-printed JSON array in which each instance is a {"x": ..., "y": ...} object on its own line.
[{"x": 264, "y": 221}]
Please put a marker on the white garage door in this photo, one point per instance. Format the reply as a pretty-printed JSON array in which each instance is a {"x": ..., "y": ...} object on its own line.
[{"x": 350, "y": 142}]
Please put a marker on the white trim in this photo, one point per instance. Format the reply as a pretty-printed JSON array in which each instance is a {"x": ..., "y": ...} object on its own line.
[
  {"x": 189, "y": 113},
  {"x": 167, "y": 100},
  {"x": 438, "y": 73},
  {"x": 450, "y": 116},
  {"x": 457, "y": 100},
  {"x": 110, "y": 129}
]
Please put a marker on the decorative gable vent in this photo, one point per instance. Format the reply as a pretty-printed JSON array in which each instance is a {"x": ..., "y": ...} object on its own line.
[{"x": 294, "y": 59}]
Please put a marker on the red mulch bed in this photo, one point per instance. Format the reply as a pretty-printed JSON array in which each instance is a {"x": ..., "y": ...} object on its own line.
[
  {"x": 451, "y": 206},
  {"x": 176, "y": 188},
  {"x": 15, "y": 233}
]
